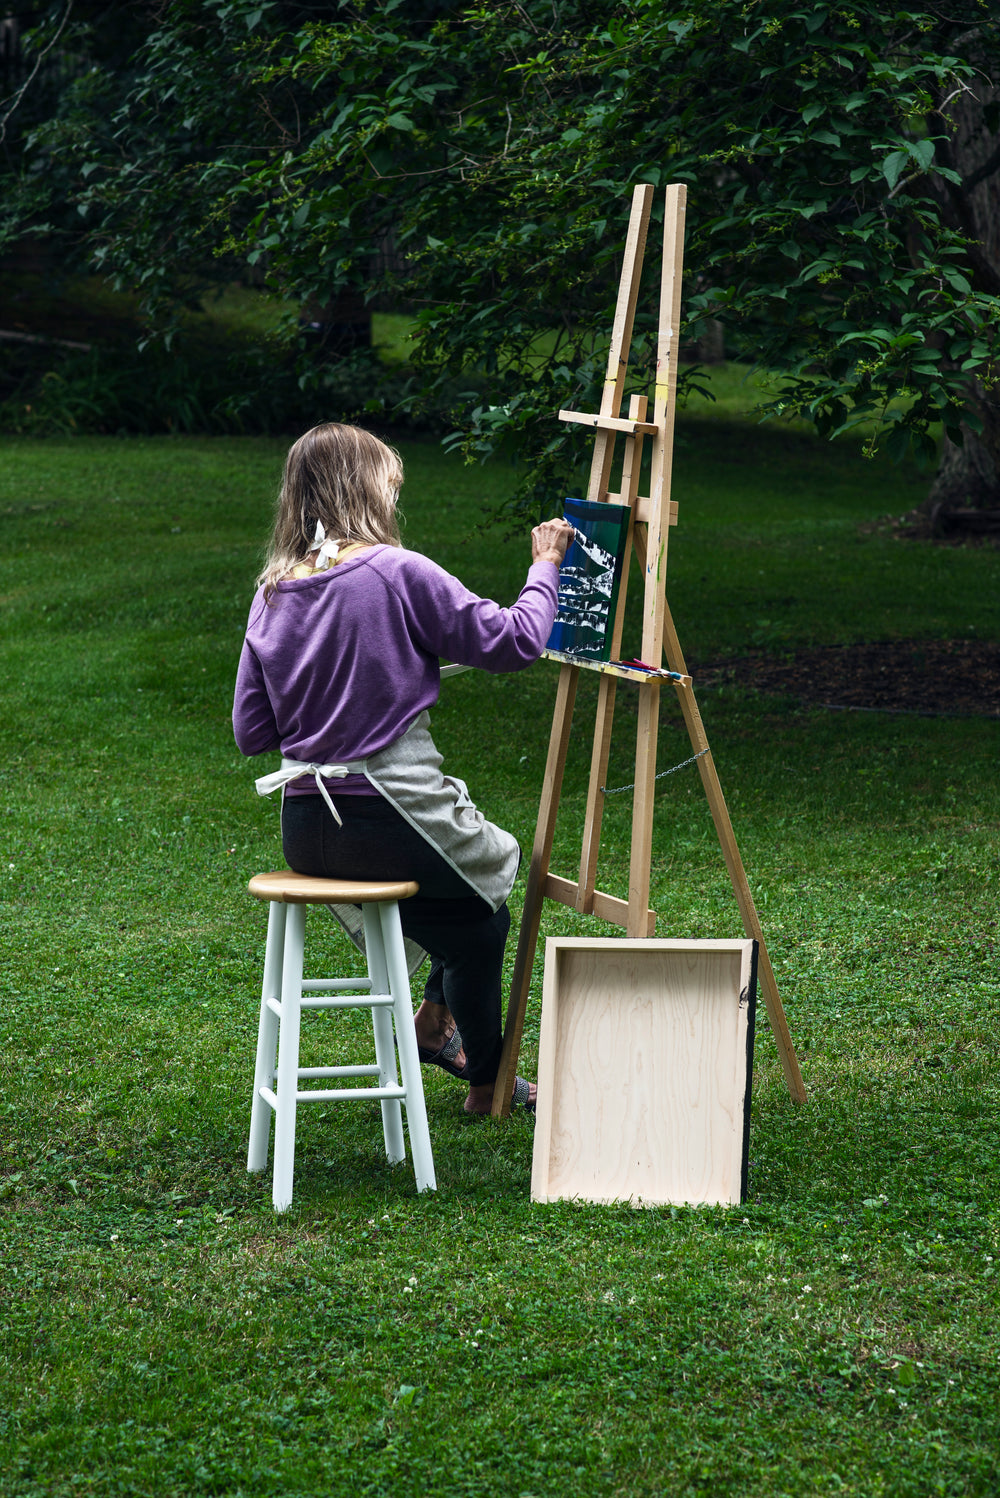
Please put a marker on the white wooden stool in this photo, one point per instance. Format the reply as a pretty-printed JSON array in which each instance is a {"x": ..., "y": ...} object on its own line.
[{"x": 387, "y": 988}]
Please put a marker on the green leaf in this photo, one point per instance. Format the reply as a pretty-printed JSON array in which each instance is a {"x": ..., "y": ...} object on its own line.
[
  {"x": 898, "y": 443},
  {"x": 923, "y": 151},
  {"x": 893, "y": 166}
]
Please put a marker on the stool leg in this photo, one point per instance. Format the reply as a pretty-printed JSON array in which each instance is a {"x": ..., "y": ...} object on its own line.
[
  {"x": 267, "y": 1038},
  {"x": 288, "y": 1057},
  {"x": 406, "y": 1040},
  {"x": 385, "y": 1053}
]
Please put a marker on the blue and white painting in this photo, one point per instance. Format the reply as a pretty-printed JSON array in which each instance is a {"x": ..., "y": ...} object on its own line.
[{"x": 589, "y": 579}]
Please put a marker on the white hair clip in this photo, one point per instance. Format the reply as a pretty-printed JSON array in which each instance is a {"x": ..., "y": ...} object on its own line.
[{"x": 326, "y": 550}]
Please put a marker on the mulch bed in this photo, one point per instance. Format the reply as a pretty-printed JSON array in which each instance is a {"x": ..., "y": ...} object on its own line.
[{"x": 932, "y": 677}]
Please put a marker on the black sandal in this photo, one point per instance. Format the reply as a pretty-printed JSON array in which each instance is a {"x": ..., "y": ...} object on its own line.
[
  {"x": 445, "y": 1056},
  {"x": 522, "y": 1092}
]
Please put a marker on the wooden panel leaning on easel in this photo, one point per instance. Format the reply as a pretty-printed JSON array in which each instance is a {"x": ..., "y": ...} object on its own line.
[{"x": 651, "y": 517}]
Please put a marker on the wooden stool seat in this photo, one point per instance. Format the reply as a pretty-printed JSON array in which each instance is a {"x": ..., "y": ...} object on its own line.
[
  {"x": 385, "y": 992},
  {"x": 302, "y": 889}
]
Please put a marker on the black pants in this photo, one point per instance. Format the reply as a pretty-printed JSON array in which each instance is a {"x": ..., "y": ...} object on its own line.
[{"x": 464, "y": 938}]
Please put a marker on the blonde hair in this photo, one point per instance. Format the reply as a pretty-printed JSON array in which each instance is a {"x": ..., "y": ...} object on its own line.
[{"x": 343, "y": 477}]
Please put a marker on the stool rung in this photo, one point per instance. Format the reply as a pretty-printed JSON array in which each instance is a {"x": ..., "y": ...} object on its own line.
[
  {"x": 337, "y": 1095},
  {"x": 338, "y": 1071},
  {"x": 370, "y": 1001},
  {"x": 351, "y": 1094},
  {"x": 335, "y": 985}
]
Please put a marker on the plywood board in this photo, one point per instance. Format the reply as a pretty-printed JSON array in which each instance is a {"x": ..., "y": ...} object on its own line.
[{"x": 644, "y": 1071}]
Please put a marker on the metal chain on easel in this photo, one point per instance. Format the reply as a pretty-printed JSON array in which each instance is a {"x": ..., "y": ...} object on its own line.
[{"x": 672, "y": 771}]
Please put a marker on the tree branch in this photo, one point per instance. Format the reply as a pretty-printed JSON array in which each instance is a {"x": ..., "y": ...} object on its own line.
[{"x": 15, "y": 99}]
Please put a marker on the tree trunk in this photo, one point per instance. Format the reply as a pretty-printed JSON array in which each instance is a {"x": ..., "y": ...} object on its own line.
[
  {"x": 965, "y": 494},
  {"x": 339, "y": 327},
  {"x": 968, "y": 478},
  {"x": 711, "y": 346}
]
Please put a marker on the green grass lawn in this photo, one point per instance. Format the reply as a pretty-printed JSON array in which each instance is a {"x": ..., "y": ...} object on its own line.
[{"x": 165, "y": 1334}]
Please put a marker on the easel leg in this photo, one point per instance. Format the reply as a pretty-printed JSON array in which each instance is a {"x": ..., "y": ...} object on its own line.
[
  {"x": 541, "y": 853},
  {"x": 640, "y": 867},
  {"x": 751, "y": 922},
  {"x": 734, "y": 863},
  {"x": 594, "y": 814}
]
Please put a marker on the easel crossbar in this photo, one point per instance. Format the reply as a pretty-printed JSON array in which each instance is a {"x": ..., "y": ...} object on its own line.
[
  {"x": 616, "y": 668},
  {"x": 611, "y": 423},
  {"x": 606, "y": 907}
]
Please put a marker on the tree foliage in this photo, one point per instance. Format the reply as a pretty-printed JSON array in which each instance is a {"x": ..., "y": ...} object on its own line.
[{"x": 473, "y": 162}]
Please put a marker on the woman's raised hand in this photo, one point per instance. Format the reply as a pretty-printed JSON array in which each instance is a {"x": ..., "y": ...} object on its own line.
[{"x": 550, "y": 540}]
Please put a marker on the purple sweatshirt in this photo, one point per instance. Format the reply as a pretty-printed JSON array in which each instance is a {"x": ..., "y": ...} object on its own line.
[{"x": 338, "y": 665}]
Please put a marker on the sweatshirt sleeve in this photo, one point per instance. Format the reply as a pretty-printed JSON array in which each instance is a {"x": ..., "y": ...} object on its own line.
[
  {"x": 447, "y": 619},
  {"x": 254, "y": 725}
]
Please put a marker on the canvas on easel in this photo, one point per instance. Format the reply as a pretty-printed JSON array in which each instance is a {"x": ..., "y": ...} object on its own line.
[
  {"x": 644, "y": 1071},
  {"x": 660, "y": 661},
  {"x": 589, "y": 580}
]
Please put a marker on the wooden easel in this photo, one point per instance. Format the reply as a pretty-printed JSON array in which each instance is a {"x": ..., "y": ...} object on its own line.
[{"x": 648, "y": 533}]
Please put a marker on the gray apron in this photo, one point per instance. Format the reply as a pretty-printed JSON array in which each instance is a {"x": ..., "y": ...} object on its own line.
[{"x": 408, "y": 775}]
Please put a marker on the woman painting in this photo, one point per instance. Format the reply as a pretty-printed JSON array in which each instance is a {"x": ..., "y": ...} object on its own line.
[{"x": 339, "y": 666}]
